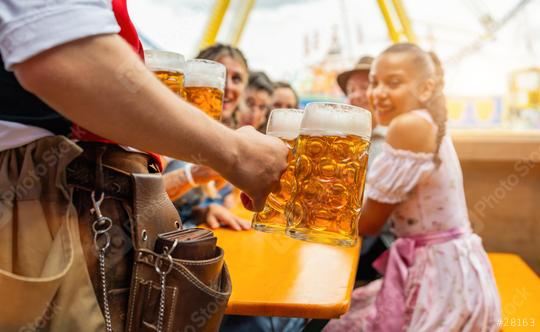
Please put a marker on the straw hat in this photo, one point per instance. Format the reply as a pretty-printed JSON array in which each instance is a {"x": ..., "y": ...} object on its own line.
[{"x": 363, "y": 65}]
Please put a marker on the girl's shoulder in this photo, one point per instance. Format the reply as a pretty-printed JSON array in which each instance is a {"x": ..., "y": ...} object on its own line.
[{"x": 412, "y": 131}]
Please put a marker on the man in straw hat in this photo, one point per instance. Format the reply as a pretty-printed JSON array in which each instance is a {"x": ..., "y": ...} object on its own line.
[{"x": 354, "y": 83}]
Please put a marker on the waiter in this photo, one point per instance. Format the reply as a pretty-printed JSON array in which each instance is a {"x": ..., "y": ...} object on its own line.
[{"x": 73, "y": 69}]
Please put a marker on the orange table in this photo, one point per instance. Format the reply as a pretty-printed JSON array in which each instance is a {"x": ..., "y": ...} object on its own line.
[{"x": 274, "y": 275}]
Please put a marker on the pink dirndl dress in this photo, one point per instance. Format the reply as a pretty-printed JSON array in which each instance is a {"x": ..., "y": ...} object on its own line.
[{"x": 437, "y": 276}]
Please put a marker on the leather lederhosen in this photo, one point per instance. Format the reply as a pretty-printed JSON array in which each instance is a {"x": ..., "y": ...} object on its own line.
[{"x": 136, "y": 221}]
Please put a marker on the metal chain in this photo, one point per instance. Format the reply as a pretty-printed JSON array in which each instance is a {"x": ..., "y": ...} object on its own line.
[
  {"x": 162, "y": 278},
  {"x": 101, "y": 227},
  {"x": 108, "y": 322},
  {"x": 161, "y": 303}
]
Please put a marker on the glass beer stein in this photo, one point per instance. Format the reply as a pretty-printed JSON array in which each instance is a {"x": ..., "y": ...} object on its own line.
[
  {"x": 168, "y": 67},
  {"x": 330, "y": 170},
  {"x": 283, "y": 123},
  {"x": 204, "y": 86}
]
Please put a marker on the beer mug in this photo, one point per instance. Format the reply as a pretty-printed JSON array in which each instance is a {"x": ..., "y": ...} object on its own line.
[
  {"x": 169, "y": 68},
  {"x": 283, "y": 123},
  {"x": 331, "y": 161},
  {"x": 204, "y": 86}
]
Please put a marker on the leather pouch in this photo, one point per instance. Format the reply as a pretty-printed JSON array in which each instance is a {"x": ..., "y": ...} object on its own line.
[
  {"x": 192, "y": 244},
  {"x": 196, "y": 285}
]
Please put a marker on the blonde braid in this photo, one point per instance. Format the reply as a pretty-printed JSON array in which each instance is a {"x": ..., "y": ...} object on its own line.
[{"x": 437, "y": 105}]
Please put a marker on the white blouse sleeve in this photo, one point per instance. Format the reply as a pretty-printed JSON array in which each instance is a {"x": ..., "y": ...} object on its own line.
[
  {"x": 394, "y": 173},
  {"x": 28, "y": 28}
]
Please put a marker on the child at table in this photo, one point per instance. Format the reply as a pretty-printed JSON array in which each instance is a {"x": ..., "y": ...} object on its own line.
[{"x": 437, "y": 276}]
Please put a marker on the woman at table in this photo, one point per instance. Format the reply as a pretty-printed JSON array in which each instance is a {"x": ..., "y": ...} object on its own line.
[
  {"x": 186, "y": 183},
  {"x": 196, "y": 210}
]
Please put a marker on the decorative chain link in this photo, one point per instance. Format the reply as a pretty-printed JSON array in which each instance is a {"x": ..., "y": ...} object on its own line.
[
  {"x": 161, "y": 303},
  {"x": 101, "y": 227},
  {"x": 108, "y": 322},
  {"x": 162, "y": 278}
]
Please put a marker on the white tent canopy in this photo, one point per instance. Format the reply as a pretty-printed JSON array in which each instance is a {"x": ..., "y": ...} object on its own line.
[{"x": 285, "y": 37}]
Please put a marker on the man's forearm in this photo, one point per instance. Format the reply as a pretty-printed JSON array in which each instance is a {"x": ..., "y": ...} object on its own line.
[{"x": 130, "y": 107}]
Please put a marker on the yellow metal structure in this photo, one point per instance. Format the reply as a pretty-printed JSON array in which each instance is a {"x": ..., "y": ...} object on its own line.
[
  {"x": 397, "y": 21},
  {"x": 214, "y": 23},
  {"x": 393, "y": 11},
  {"x": 241, "y": 20}
]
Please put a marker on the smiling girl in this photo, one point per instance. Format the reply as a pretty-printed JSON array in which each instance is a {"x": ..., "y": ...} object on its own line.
[{"x": 437, "y": 276}]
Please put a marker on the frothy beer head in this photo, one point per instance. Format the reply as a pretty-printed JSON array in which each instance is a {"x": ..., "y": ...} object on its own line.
[
  {"x": 205, "y": 73},
  {"x": 284, "y": 123},
  {"x": 164, "y": 61},
  {"x": 334, "y": 119}
]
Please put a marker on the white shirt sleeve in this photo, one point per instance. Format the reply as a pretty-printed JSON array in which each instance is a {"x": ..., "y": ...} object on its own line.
[{"x": 29, "y": 27}]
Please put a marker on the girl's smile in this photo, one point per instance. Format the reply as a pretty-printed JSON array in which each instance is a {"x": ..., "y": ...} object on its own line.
[{"x": 396, "y": 87}]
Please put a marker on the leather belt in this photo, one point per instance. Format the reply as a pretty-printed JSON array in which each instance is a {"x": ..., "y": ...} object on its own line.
[{"x": 105, "y": 167}]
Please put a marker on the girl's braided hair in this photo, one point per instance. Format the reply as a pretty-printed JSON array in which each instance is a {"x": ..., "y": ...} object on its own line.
[{"x": 437, "y": 105}]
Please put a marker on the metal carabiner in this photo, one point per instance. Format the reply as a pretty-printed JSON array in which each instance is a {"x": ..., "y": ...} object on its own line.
[
  {"x": 97, "y": 204},
  {"x": 159, "y": 261},
  {"x": 101, "y": 225}
]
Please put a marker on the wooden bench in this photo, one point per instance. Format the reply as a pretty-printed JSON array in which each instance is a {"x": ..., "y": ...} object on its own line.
[{"x": 519, "y": 287}]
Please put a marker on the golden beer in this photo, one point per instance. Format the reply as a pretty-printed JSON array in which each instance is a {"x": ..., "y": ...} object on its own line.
[
  {"x": 168, "y": 67},
  {"x": 209, "y": 100},
  {"x": 284, "y": 124},
  {"x": 331, "y": 162},
  {"x": 173, "y": 80},
  {"x": 204, "y": 86}
]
